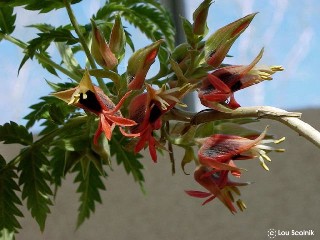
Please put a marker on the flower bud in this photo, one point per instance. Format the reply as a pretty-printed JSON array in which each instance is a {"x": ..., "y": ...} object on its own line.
[
  {"x": 139, "y": 64},
  {"x": 219, "y": 43},
  {"x": 117, "y": 38},
  {"x": 100, "y": 50},
  {"x": 200, "y": 18}
]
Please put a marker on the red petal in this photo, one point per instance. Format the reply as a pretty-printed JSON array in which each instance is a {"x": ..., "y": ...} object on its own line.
[
  {"x": 120, "y": 120},
  {"x": 216, "y": 97},
  {"x": 129, "y": 134},
  {"x": 233, "y": 103},
  {"x": 138, "y": 107},
  {"x": 118, "y": 106},
  {"x": 105, "y": 127},
  {"x": 197, "y": 194},
  {"x": 208, "y": 200},
  {"x": 150, "y": 57},
  {"x": 210, "y": 162},
  {"x": 218, "y": 84},
  {"x": 142, "y": 142},
  {"x": 152, "y": 148},
  {"x": 222, "y": 148},
  {"x": 97, "y": 134}
]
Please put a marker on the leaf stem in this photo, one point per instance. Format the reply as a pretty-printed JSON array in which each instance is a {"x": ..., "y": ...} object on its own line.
[
  {"x": 41, "y": 57},
  {"x": 84, "y": 44}
]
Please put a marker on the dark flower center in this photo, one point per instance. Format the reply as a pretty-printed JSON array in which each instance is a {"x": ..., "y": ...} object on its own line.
[
  {"x": 155, "y": 114},
  {"x": 236, "y": 86},
  {"x": 91, "y": 102}
]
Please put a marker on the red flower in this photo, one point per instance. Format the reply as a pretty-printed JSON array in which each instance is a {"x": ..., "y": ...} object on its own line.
[
  {"x": 220, "y": 85},
  {"x": 91, "y": 98},
  {"x": 219, "y": 186},
  {"x": 147, "y": 109},
  {"x": 219, "y": 151}
]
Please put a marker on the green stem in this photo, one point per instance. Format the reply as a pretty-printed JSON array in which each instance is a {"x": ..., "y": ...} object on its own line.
[
  {"x": 103, "y": 73},
  {"x": 84, "y": 44},
  {"x": 41, "y": 57}
]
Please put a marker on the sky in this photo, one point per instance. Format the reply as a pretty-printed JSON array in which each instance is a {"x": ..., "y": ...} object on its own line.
[{"x": 287, "y": 29}]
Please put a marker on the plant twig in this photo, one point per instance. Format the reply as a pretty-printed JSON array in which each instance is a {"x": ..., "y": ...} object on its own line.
[{"x": 291, "y": 119}]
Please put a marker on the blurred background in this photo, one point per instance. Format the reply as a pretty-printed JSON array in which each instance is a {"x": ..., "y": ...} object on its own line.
[{"x": 286, "y": 198}]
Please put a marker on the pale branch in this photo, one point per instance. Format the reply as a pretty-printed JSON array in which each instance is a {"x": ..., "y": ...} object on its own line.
[{"x": 291, "y": 119}]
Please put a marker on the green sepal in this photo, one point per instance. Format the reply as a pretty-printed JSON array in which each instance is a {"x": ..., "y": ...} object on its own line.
[
  {"x": 187, "y": 158},
  {"x": 117, "y": 41},
  {"x": 200, "y": 18},
  {"x": 192, "y": 39}
]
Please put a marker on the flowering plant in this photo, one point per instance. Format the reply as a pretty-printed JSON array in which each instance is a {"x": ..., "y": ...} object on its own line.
[{"x": 100, "y": 114}]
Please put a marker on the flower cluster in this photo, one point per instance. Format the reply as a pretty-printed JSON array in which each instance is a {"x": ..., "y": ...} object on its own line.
[
  {"x": 196, "y": 65},
  {"x": 217, "y": 156}
]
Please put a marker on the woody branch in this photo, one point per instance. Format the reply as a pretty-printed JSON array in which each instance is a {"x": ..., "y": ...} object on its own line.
[{"x": 291, "y": 119}]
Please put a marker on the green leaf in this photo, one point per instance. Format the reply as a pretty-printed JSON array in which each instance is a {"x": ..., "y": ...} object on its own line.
[
  {"x": 45, "y": 65},
  {"x": 89, "y": 187},
  {"x": 57, "y": 165},
  {"x": 9, "y": 202},
  {"x": 60, "y": 34},
  {"x": 34, "y": 178},
  {"x": 45, "y": 110},
  {"x": 192, "y": 39},
  {"x": 7, "y": 20},
  {"x": 68, "y": 58},
  {"x": 129, "y": 160},
  {"x": 187, "y": 158},
  {"x": 43, "y": 6},
  {"x": 14, "y": 133},
  {"x": 39, "y": 44},
  {"x": 205, "y": 130},
  {"x": 149, "y": 16}
]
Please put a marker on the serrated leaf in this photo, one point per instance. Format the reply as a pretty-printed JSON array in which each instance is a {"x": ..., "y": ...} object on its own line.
[
  {"x": 23, "y": 61},
  {"x": 57, "y": 165},
  {"x": 89, "y": 187},
  {"x": 41, "y": 109},
  {"x": 42, "y": 42},
  {"x": 45, "y": 65},
  {"x": 43, "y": 6},
  {"x": 9, "y": 202},
  {"x": 14, "y": 133},
  {"x": 149, "y": 16},
  {"x": 7, "y": 20},
  {"x": 57, "y": 115},
  {"x": 129, "y": 160},
  {"x": 34, "y": 178}
]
